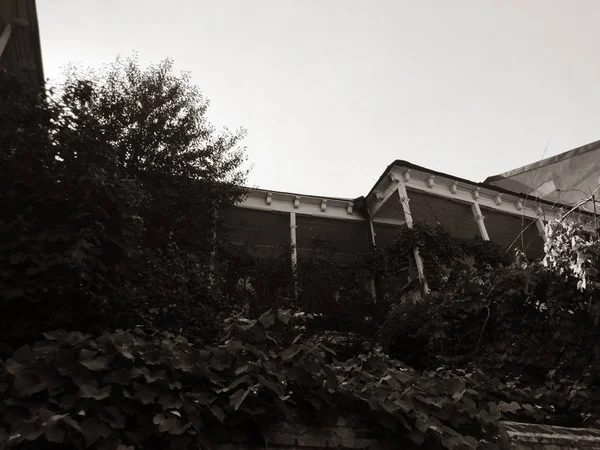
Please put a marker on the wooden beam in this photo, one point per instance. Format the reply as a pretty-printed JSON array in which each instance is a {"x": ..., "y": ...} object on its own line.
[
  {"x": 385, "y": 196},
  {"x": 464, "y": 193},
  {"x": 404, "y": 201},
  {"x": 5, "y": 37},
  {"x": 310, "y": 206},
  {"x": 479, "y": 220},
  {"x": 294, "y": 252}
]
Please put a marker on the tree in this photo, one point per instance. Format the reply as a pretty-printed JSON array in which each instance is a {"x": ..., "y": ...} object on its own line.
[
  {"x": 155, "y": 122},
  {"x": 108, "y": 187}
]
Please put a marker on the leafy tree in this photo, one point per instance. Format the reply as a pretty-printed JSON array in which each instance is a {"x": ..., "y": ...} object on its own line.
[
  {"x": 108, "y": 187},
  {"x": 155, "y": 123}
]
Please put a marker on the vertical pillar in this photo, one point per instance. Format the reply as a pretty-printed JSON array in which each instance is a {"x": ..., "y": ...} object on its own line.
[
  {"x": 294, "y": 252},
  {"x": 479, "y": 220},
  {"x": 371, "y": 281},
  {"x": 372, "y": 233},
  {"x": 539, "y": 223},
  {"x": 293, "y": 241},
  {"x": 5, "y": 37},
  {"x": 404, "y": 200}
]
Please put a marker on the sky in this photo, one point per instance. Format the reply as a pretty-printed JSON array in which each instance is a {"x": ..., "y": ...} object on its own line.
[{"x": 332, "y": 91}]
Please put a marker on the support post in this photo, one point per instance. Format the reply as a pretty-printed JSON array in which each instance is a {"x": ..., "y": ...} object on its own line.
[
  {"x": 539, "y": 223},
  {"x": 4, "y": 37},
  {"x": 404, "y": 200},
  {"x": 371, "y": 281},
  {"x": 479, "y": 220},
  {"x": 294, "y": 251}
]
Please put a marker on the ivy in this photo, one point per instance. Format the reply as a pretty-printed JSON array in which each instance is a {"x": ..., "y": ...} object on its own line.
[{"x": 129, "y": 388}]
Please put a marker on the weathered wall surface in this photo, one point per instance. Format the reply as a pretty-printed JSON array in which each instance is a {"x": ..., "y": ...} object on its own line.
[{"x": 566, "y": 178}]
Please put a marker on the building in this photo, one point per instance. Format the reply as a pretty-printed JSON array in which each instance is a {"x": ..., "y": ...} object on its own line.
[
  {"x": 568, "y": 178},
  {"x": 404, "y": 194},
  {"x": 20, "y": 50}
]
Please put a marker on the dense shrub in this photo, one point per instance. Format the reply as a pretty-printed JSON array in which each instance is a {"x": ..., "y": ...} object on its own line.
[
  {"x": 527, "y": 325},
  {"x": 159, "y": 391}
]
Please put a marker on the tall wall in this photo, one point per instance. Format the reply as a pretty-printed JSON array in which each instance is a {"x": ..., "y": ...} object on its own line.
[{"x": 22, "y": 55}]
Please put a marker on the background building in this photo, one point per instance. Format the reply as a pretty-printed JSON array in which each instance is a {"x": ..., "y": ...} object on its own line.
[
  {"x": 568, "y": 178},
  {"x": 20, "y": 50}
]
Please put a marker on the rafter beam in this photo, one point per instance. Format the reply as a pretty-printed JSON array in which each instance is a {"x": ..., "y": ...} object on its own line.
[{"x": 383, "y": 197}]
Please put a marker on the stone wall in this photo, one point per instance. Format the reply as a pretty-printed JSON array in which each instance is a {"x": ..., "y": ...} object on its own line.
[
  {"x": 544, "y": 437},
  {"x": 349, "y": 435}
]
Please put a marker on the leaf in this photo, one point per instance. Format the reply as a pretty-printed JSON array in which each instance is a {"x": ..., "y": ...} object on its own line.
[
  {"x": 272, "y": 385},
  {"x": 93, "y": 429},
  {"x": 238, "y": 397},
  {"x": 512, "y": 407},
  {"x": 96, "y": 364},
  {"x": 284, "y": 316},
  {"x": 145, "y": 393},
  {"x": 169, "y": 425},
  {"x": 202, "y": 398},
  {"x": 170, "y": 401},
  {"x": 267, "y": 319},
  {"x": 290, "y": 352},
  {"x": 23, "y": 355},
  {"x": 90, "y": 390},
  {"x": 113, "y": 417},
  {"x": 416, "y": 437},
  {"x": 218, "y": 413},
  {"x": 56, "y": 434}
]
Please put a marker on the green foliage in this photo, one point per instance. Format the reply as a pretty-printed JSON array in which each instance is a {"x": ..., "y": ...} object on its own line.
[
  {"x": 527, "y": 327},
  {"x": 331, "y": 286},
  {"x": 133, "y": 389},
  {"x": 109, "y": 187},
  {"x": 574, "y": 250}
]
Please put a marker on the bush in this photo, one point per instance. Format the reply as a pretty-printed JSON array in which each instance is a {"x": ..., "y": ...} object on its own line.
[{"x": 159, "y": 391}]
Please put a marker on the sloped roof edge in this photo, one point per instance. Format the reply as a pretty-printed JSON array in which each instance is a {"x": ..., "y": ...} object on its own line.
[
  {"x": 485, "y": 184},
  {"x": 544, "y": 162}
]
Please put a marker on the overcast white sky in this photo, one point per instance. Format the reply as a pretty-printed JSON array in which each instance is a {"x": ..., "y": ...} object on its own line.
[{"x": 332, "y": 91}]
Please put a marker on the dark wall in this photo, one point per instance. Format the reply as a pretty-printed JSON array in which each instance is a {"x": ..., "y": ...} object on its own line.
[
  {"x": 504, "y": 229},
  {"x": 22, "y": 56},
  {"x": 266, "y": 230},
  {"x": 385, "y": 234},
  {"x": 344, "y": 236},
  {"x": 431, "y": 210}
]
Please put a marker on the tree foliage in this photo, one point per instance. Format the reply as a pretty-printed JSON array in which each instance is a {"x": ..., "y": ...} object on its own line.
[{"x": 109, "y": 186}]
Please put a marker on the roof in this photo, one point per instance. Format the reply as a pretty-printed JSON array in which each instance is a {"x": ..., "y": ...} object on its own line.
[
  {"x": 409, "y": 165},
  {"x": 544, "y": 162}
]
